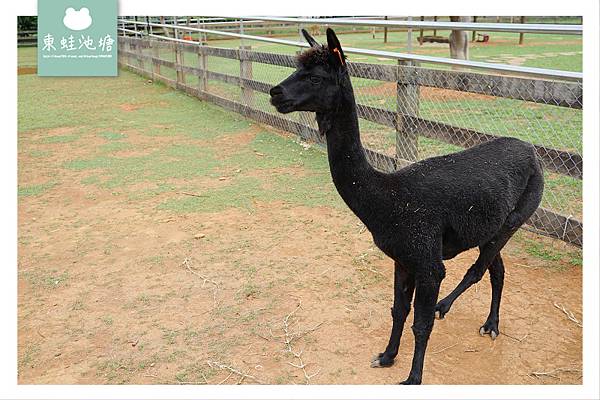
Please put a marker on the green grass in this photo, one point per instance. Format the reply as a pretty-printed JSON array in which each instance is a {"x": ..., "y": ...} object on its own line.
[
  {"x": 60, "y": 139},
  {"x": 40, "y": 153},
  {"x": 46, "y": 279},
  {"x": 115, "y": 146},
  {"x": 35, "y": 190},
  {"x": 27, "y": 56},
  {"x": 112, "y": 135},
  {"x": 172, "y": 162}
]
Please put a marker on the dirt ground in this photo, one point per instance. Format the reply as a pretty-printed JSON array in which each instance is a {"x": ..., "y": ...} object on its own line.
[{"x": 126, "y": 280}]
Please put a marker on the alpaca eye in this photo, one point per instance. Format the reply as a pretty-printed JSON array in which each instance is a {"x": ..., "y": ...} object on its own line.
[{"x": 315, "y": 79}]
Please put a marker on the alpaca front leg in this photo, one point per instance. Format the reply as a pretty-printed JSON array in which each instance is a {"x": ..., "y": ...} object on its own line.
[
  {"x": 427, "y": 291},
  {"x": 404, "y": 286}
]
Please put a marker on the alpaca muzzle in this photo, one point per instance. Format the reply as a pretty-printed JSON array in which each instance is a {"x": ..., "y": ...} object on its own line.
[{"x": 279, "y": 100}]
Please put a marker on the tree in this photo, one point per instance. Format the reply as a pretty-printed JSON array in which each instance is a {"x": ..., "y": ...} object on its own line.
[
  {"x": 459, "y": 40},
  {"x": 27, "y": 23}
]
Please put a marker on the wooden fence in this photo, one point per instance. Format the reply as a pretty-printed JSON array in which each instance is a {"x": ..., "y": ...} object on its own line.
[
  {"x": 136, "y": 53},
  {"x": 27, "y": 38}
]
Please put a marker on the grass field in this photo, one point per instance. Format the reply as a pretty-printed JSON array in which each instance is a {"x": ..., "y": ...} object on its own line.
[{"x": 162, "y": 239}]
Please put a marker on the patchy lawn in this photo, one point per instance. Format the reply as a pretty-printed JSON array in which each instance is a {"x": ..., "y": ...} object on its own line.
[{"x": 165, "y": 240}]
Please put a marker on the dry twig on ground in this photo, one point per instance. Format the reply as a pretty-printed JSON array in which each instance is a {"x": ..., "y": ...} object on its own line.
[
  {"x": 289, "y": 337},
  {"x": 225, "y": 367},
  {"x": 186, "y": 263},
  {"x": 444, "y": 349},
  {"x": 515, "y": 338},
  {"x": 552, "y": 374},
  {"x": 569, "y": 314}
]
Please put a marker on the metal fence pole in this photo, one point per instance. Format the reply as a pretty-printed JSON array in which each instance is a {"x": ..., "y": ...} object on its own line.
[{"x": 407, "y": 107}]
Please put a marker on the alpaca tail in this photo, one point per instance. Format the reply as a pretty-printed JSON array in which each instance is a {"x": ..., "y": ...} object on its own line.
[{"x": 532, "y": 195}]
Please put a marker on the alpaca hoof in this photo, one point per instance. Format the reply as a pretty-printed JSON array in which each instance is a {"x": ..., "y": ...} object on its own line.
[
  {"x": 489, "y": 328},
  {"x": 411, "y": 381},
  {"x": 441, "y": 309},
  {"x": 381, "y": 361}
]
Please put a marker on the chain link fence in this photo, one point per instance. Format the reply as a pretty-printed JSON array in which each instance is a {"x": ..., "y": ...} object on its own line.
[{"x": 407, "y": 112}]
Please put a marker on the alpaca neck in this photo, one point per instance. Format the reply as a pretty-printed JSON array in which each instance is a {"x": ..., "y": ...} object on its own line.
[{"x": 355, "y": 179}]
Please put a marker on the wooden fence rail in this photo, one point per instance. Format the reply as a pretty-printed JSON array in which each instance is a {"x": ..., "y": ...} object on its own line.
[{"x": 404, "y": 120}]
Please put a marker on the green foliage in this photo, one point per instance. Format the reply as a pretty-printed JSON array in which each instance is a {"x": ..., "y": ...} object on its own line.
[{"x": 27, "y": 23}]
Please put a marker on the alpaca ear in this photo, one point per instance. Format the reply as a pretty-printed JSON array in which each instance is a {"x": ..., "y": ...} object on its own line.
[
  {"x": 309, "y": 39},
  {"x": 335, "y": 47}
]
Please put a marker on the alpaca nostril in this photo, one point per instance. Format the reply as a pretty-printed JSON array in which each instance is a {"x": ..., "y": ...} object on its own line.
[{"x": 275, "y": 90}]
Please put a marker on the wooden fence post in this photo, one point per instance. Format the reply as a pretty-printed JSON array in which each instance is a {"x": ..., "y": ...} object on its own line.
[
  {"x": 246, "y": 73},
  {"x": 407, "y": 107},
  {"x": 155, "y": 55},
  {"x": 140, "y": 59},
  {"x": 203, "y": 65},
  {"x": 178, "y": 57},
  {"x": 127, "y": 48}
]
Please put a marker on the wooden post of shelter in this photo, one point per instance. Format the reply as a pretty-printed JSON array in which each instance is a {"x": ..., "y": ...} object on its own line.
[
  {"x": 385, "y": 30},
  {"x": 521, "y": 34},
  {"x": 165, "y": 30},
  {"x": 407, "y": 107},
  {"x": 435, "y": 30},
  {"x": 474, "y": 37}
]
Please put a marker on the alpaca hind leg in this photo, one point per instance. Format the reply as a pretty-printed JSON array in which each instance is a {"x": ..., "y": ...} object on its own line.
[
  {"x": 496, "y": 271},
  {"x": 404, "y": 286},
  {"x": 426, "y": 294},
  {"x": 525, "y": 207},
  {"x": 473, "y": 275},
  {"x": 487, "y": 253}
]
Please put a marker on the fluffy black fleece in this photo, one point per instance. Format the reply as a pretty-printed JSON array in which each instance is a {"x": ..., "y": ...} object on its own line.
[{"x": 427, "y": 212}]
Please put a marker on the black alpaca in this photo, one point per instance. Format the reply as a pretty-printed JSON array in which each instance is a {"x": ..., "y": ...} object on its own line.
[{"x": 425, "y": 213}]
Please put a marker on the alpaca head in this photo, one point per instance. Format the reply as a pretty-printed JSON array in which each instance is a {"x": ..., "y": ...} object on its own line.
[{"x": 318, "y": 82}]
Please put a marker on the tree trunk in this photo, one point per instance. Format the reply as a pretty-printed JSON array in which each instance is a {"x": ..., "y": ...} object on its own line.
[{"x": 459, "y": 40}]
